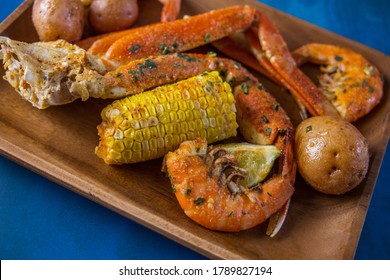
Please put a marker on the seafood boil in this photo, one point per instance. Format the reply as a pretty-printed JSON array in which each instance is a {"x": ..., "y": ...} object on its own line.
[{"x": 149, "y": 120}]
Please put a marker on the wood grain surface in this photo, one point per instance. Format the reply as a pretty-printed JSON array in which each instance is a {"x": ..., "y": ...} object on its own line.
[{"x": 59, "y": 143}]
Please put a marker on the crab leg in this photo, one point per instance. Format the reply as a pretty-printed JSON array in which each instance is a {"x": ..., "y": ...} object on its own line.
[
  {"x": 177, "y": 36},
  {"x": 274, "y": 55}
]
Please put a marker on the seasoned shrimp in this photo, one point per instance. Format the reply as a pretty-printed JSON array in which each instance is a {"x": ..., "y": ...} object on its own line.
[
  {"x": 348, "y": 80},
  {"x": 217, "y": 200}
]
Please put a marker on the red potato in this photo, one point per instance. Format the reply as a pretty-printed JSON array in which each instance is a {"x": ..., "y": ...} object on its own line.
[
  {"x": 58, "y": 19},
  {"x": 112, "y": 15},
  {"x": 332, "y": 154}
]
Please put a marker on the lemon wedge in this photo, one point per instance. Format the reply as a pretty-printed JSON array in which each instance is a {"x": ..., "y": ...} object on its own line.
[{"x": 257, "y": 160}]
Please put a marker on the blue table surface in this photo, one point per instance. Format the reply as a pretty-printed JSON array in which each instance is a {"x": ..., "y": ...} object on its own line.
[{"x": 42, "y": 220}]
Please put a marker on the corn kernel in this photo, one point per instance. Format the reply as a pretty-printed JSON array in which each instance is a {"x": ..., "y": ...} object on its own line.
[
  {"x": 137, "y": 147},
  {"x": 138, "y": 136},
  {"x": 181, "y": 116},
  {"x": 145, "y": 133}
]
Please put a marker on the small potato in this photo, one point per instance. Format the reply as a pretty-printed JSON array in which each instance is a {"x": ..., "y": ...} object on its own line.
[
  {"x": 112, "y": 15},
  {"x": 332, "y": 154},
  {"x": 58, "y": 19}
]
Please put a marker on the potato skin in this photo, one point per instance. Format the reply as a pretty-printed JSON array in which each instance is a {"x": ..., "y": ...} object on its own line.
[
  {"x": 112, "y": 15},
  {"x": 58, "y": 19},
  {"x": 332, "y": 154}
]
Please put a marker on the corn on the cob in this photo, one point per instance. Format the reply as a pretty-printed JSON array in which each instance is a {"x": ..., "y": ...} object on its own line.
[{"x": 148, "y": 125}]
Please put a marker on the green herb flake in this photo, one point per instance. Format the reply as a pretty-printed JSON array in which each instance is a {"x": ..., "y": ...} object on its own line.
[
  {"x": 188, "y": 192},
  {"x": 207, "y": 37},
  {"x": 173, "y": 188},
  {"x": 134, "y": 48},
  {"x": 232, "y": 81},
  {"x": 268, "y": 131},
  {"x": 186, "y": 57},
  {"x": 275, "y": 107},
  {"x": 150, "y": 64},
  {"x": 132, "y": 71},
  {"x": 164, "y": 49},
  {"x": 199, "y": 201},
  {"x": 118, "y": 75},
  {"x": 245, "y": 88},
  {"x": 371, "y": 89},
  {"x": 230, "y": 214},
  {"x": 237, "y": 65},
  {"x": 223, "y": 73},
  {"x": 264, "y": 118},
  {"x": 260, "y": 87},
  {"x": 338, "y": 58},
  {"x": 269, "y": 194},
  {"x": 135, "y": 78},
  {"x": 282, "y": 131},
  {"x": 140, "y": 68},
  {"x": 308, "y": 128},
  {"x": 175, "y": 45},
  {"x": 212, "y": 54}
]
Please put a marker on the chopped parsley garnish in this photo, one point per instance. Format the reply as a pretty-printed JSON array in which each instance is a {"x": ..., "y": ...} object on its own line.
[
  {"x": 118, "y": 75},
  {"x": 338, "y": 58},
  {"x": 308, "y": 128},
  {"x": 264, "y": 118},
  {"x": 268, "y": 131},
  {"x": 134, "y": 48},
  {"x": 186, "y": 57},
  {"x": 245, "y": 88},
  {"x": 199, "y": 201},
  {"x": 164, "y": 49},
  {"x": 207, "y": 37},
  {"x": 282, "y": 131},
  {"x": 188, "y": 192},
  {"x": 150, "y": 64}
]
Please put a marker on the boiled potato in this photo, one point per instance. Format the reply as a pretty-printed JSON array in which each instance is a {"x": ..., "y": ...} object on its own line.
[
  {"x": 332, "y": 154},
  {"x": 112, "y": 15},
  {"x": 58, "y": 19}
]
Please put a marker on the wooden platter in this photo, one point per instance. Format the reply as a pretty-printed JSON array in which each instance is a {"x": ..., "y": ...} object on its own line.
[{"x": 59, "y": 143}]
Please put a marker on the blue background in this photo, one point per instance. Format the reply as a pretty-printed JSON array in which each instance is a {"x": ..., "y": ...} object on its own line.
[{"x": 42, "y": 220}]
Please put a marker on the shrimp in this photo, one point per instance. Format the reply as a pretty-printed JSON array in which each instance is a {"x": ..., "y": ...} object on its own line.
[
  {"x": 206, "y": 194},
  {"x": 348, "y": 80}
]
